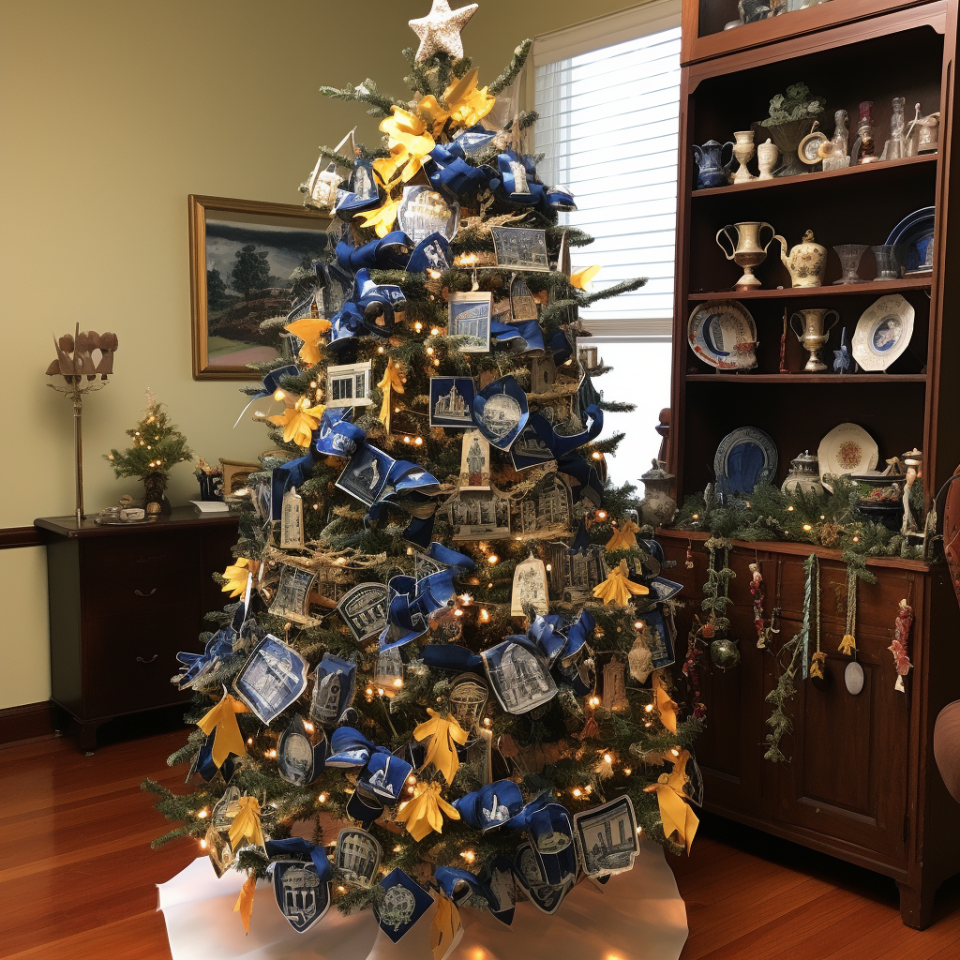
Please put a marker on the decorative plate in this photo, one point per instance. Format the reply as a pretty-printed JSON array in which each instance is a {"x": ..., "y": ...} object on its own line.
[
  {"x": 883, "y": 332},
  {"x": 913, "y": 238},
  {"x": 809, "y": 147},
  {"x": 746, "y": 456},
  {"x": 723, "y": 334},
  {"x": 847, "y": 449}
]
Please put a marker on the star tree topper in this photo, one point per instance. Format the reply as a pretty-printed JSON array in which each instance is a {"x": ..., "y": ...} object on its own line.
[{"x": 439, "y": 31}]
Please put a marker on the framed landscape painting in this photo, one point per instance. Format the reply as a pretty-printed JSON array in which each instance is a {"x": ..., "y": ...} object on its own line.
[{"x": 244, "y": 259}]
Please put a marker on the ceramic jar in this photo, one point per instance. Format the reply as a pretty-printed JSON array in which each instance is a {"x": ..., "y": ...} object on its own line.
[
  {"x": 804, "y": 475},
  {"x": 767, "y": 156},
  {"x": 711, "y": 170},
  {"x": 657, "y": 507},
  {"x": 743, "y": 150},
  {"x": 805, "y": 262}
]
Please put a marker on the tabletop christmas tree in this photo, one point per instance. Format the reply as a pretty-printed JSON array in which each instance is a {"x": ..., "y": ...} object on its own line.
[
  {"x": 157, "y": 446},
  {"x": 448, "y": 642}
]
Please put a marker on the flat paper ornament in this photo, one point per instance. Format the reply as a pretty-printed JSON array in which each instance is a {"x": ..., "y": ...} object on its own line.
[
  {"x": 677, "y": 817},
  {"x": 272, "y": 679},
  {"x": 302, "y": 896},
  {"x": 298, "y": 760},
  {"x": 607, "y": 837},
  {"x": 403, "y": 903},
  {"x": 223, "y": 719},
  {"x": 530, "y": 588},
  {"x": 358, "y": 856},
  {"x": 291, "y": 521},
  {"x": 446, "y": 928}
]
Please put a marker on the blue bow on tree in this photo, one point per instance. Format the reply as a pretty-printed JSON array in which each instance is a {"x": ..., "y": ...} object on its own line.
[
  {"x": 383, "y": 775},
  {"x": 449, "y": 174},
  {"x": 525, "y": 336},
  {"x": 220, "y": 645},
  {"x": 413, "y": 602},
  {"x": 300, "y": 847},
  {"x": 372, "y": 308}
]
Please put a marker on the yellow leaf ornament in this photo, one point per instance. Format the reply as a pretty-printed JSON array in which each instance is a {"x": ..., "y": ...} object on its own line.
[
  {"x": 246, "y": 824},
  {"x": 244, "y": 904},
  {"x": 309, "y": 330},
  {"x": 444, "y": 734},
  {"x": 677, "y": 816},
  {"x": 618, "y": 588},
  {"x": 223, "y": 719},
  {"x": 624, "y": 537},
  {"x": 391, "y": 383},
  {"x": 444, "y": 928},
  {"x": 237, "y": 574},
  {"x": 423, "y": 814},
  {"x": 299, "y": 422},
  {"x": 581, "y": 278}
]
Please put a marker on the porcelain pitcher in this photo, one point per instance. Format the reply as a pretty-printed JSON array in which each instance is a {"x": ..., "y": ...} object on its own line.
[{"x": 711, "y": 170}]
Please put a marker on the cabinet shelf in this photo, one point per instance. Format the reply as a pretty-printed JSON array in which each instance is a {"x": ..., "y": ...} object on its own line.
[
  {"x": 795, "y": 378},
  {"x": 889, "y": 169},
  {"x": 870, "y": 287}
]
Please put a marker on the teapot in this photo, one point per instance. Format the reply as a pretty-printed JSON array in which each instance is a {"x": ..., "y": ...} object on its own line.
[
  {"x": 711, "y": 170},
  {"x": 805, "y": 262}
]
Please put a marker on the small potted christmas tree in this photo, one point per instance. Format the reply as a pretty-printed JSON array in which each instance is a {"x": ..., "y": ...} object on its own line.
[{"x": 157, "y": 446}]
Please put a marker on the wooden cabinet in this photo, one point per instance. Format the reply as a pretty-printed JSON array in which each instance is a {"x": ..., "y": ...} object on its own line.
[
  {"x": 123, "y": 601},
  {"x": 861, "y": 783}
]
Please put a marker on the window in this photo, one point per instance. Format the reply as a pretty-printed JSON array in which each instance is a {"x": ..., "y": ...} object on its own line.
[{"x": 608, "y": 95}]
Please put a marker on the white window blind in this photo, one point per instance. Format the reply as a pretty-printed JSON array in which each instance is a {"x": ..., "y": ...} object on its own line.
[{"x": 609, "y": 125}]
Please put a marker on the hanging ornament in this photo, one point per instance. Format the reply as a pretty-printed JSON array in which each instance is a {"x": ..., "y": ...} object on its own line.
[
  {"x": 618, "y": 587},
  {"x": 624, "y": 536},
  {"x": 899, "y": 648},
  {"x": 677, "y": 816},
  {"x": 688, "y": 559},
  {"x": 530, "y": 588},
  {"x": 640, "y": 659},
  {"x": 820, "y": 679},
  {"x": 444, "y": 733},
  {"x": 665, "y": 705},
  {"x": 439, "y": 31},
  {"x": 223, "y": 719},
  {"x": 423, "y": 814},
  {"x": 391, "y": 383},
  {"x": 291, "y": 521},
  {"x": 244, "y": 904},
  {"x": 724, "y": 651}
]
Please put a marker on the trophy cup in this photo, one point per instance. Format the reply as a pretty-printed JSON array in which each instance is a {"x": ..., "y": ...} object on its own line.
[
  {"x": 746, "y": 251},
  {"x": 812, "y": 335}
]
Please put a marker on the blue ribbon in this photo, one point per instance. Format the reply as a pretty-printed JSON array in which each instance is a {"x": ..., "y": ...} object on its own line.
[
  {"x": 524, "y": 337},
  {"x": 298, "y": 846},
  {"x": 451, "y": 175},
  {"x": 293, "y": 473},
  {"x": 450, "y": 879},
  {"x": 561, "y": 638},
  {"x": 218, "y": 646},
  {"x": 449, "y": 557},
  {"x": 371, "y": 308},
  {"x": 472, "y": 141},
  {"x": 412, "y": 602},
  {"x": 494, "y": 805},
  {"x": 337, "y": 436},
  {"x": 451, "y": 656},
  {"x": 386, "y": 253},
  {"x": 206, "y": 768}
]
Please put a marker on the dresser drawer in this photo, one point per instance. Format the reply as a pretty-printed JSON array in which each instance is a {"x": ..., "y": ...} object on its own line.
[
  {"x": 138, "y": 576},
  {"x": 128, "y": 662}
]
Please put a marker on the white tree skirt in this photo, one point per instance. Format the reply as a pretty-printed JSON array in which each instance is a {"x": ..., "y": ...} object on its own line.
[{"x": 635, "y": 915}]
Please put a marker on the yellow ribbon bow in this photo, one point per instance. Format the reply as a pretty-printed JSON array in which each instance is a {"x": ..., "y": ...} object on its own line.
[
  {"x": 465, "y": 104},
  {"x": 244, "y": 904},
  {"x": 624, "y": 537},
  {"x": 309, "y": 330},
  {"x": 422, "y": 814},
  {"x": 409, "y": 143},
  {"x": 391, "y": 382},
  {"x": 223, "y": 719},
  {"x": 678, "y": 817},
  {"x": 236, "y": 575},
  {"x": 246, "y": 824},
  {"x": 666, "y": 706},
  {"x": 618, "y": 587},
  {"x": 444, "y": 732},
  {"x": 444, "y": 929},
  {"x": 299, "y": 422},
  {"x": 848, "y": 644},
  {"x": 581, "y": 278}
]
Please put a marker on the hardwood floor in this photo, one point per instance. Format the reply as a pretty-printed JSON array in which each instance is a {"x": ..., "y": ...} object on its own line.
[{"x": 77, "y": 875}]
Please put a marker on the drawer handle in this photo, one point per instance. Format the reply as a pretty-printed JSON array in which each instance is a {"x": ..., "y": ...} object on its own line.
[
  {"x": 150, "y": 559},
  {"x": 140, "y": 593},
  {"x": 154, "y": 657}
]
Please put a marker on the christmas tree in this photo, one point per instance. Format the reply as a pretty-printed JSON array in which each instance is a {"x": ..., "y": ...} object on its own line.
[
  {"x": 157, "y": 446},
  {"x": 448, "y": 639}
]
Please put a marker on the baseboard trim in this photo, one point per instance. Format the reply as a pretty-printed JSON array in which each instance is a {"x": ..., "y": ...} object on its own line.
[
  {"x": 28, "y": 722},
  {"x": 20, "y": 537}
]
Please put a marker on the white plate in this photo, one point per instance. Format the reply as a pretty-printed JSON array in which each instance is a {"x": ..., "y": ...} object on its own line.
[
  {"x": 847, "y": 449},
  {"x": 715, "y": 331},
  {"x": 883, "y": 332}
]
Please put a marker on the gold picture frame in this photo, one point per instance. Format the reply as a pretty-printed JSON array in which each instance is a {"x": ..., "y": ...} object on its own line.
[
  {"x": 235, "y": 473},
  {"x": 234, "y": 244}
]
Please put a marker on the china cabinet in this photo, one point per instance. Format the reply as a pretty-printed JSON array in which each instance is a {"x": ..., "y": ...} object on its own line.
[{"x": 861, "y": 784}]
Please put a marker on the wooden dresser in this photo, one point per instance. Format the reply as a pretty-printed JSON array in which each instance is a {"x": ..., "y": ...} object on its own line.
[{"x": 123, "y": 601}]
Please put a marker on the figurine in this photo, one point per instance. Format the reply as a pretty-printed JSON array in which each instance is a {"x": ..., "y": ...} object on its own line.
[
  {"x": 835, "y": 153},
  {"x": 864, "y": 149},
  {"x": 767, "y": 156},
  {"x": 894, "y": 148},
  {"x": 913, "y": 461},
  {"x": 899, "y": 649},
  {"x": 842, "y": 361}
]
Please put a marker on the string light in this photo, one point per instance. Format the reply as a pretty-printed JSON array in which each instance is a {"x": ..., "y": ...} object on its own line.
[
  {"x": 418, "y": 442},
  {"x": 607, "y": 758},
  {"x": 627, "y": 771},
  {"x": 436, "y": 362},
  {"x": 468, "y": 855},
  {"x": 341, "y": 889},
  {"x": 308, "y": 726},
  {"x": 549, "y": 567},
  {"x": 249, "y": 741},
  {"x": 418, "y": 326},
  {"x": 380, "y": 349},
  {"x": 577, "y": 792},
  {"x": 398, "y": 683},
  {"x": 493, "y": 559},
  {"x": 790, "y": 508},
  {"x": 596, "y": 455},
  {"x": 203, "y": 814},
  {"x": 272, "y": 753},
  {"x": 594, "y": 701},
  {"x": 487, "y": 721},
  {"x": 435, "y": 332},
  {"x": 278, "y": 394},
  {"x": 430, "y": 351},
  {"x": 398, "y": 849},
  {"x": 601, "y": 514},
  {"x": 203, "y": 844},
  {"x": 649, "y": 708},
  {"x": 322, "y": 798},
  {"x": 675, "y": 751},
  {"x": 484, "y": 616},
  {"x": 807, "y": 527}
]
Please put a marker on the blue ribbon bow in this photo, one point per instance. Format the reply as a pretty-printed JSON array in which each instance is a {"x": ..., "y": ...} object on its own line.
[
  {"x": 220, "y": 645},
  {"x": 372, "y": 308},
  {"x": 413, "y": 602},
  {"x": 383, "y": 775},
  {"x": 298, "y": 846},
  {"x": 525, "y": 336}
]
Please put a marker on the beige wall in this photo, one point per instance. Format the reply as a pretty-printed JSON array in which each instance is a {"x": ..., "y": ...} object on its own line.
[{"x": 112, "y": 112}]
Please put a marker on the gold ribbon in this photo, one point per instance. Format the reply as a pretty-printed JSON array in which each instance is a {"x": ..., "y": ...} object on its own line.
[
  {"x": 666, "y": 706},
  {"x": 244, "y": 904},
  {"x": 678, "y": 817},
  {"x": 422, "y": 814},
  {"x": 381, "y": 219},
  {"x": 391, "y": 382},
  {"x": 465, "y": 104},
  {"x": 848, "y": 644},
  {"x": 581, "y": 278},
  {"x": 246, "y": 824},
  {"x": 309, "y": 330},
  {"x": 445, "y": 927},
  {"x": 409, "y": 143},
  {"x": 237, "y": 574},
  {"x": 223, "y": 719},
  {"x": 816, "y": 664},
  {"x": 624, "y": 537},
  {"x": 299, "y": 422},
  {"x": 444, "y": 732},
  {"x": 618, "y": 587}
]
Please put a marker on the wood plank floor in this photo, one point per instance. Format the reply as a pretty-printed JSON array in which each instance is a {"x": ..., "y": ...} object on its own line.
[{"x": 77, "y": 875}]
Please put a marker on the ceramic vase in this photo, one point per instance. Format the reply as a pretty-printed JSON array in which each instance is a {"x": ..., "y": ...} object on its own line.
[
  {"x": 805, "y": 262},
  {"x": 746, "y": 250},
  {"x": 767, "y": 156},
  {"x": 743, "y": 150},
  {"x": 813, "y": 334}
]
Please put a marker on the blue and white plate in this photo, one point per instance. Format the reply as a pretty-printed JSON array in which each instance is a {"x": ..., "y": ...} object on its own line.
[
  {"x": 883, "y": 332},
  {"x": 746, "y": 456},
  {"x": 717, "y": 329},
  {"x": 913, "y": 238}
]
